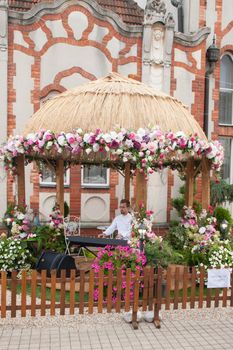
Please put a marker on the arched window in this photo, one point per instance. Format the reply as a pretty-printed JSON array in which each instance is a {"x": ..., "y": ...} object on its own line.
[{"x": 226, "y": 91}]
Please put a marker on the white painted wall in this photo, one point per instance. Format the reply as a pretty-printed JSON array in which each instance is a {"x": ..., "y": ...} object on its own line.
[
  {"x": 23, "y": 85},
  {"x": 157, "y": 195},
  {"x": 3, "y": 126},
  {"x": 183, "y": 90},
  {"x": 61, "y": 56},
  {"x": 227, "y": 12}
]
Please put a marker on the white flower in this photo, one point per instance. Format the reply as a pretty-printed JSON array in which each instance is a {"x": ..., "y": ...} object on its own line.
[
  {"x": 61, "y": 140},
  {"x": 96, "y": 147},
  {"x": 202, "y": 230},
  {"x": 88, "y": 150},
  {"x": 20, "y": 216},
  {"x": 119, "y": 151},
  {"x": 107, "y": 138},
  {"x": 49, "y": 144},
  {"x": 86, "y": 137},
  {"x": 141, "y": 132}
]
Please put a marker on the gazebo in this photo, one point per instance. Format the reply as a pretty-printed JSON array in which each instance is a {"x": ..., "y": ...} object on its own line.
[{"x": 121, "y": 123}]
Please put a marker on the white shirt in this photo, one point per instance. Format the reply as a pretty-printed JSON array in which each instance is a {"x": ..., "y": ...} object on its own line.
[{"x": 121, "y": 223}]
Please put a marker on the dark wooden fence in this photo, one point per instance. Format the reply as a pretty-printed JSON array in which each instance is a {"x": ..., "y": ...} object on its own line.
[{"x": 150, "y": 290}]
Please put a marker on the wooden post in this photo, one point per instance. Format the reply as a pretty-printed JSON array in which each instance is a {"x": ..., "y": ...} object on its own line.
[
  {"x": 141, "y": 189},
  {"x": 127, "y": 181},
  {"x": 205, "y": 168},
  {"x": 20, "y": 180},
  {"x": 60, "y": 184},
  {"x": 189, "y": 189}
]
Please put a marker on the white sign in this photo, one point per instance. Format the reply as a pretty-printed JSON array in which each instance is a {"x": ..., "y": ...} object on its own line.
[{"x": 219, "y": 278}]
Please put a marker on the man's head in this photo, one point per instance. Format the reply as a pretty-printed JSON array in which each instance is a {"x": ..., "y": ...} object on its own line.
[{"x": 124, "y": 206}]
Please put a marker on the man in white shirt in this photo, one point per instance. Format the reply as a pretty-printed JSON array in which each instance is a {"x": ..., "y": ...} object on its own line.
[{"x": 122, "y": 223}]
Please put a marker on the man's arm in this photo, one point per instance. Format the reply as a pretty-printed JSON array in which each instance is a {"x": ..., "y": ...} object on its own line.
[{"x": 111, "y": 228}]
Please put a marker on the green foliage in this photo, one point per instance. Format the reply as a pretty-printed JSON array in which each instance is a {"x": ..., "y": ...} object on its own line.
[
  {"x": 177, "y": 237},
  {"x": 66, "y": 209},
  {"x": 10, "y": 210},
  {"x": 220, "y": 192},
  {"x": 195, "y": 258},
  {"x": 161, "y": 254},
  {"x": 179, "y": 202},
  {"x": 47, "y": 238},
  {"x": 223, "y": 214}
]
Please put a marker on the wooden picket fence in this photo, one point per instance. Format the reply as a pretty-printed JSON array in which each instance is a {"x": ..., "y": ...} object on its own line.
[{"x": 167, "y": 289}]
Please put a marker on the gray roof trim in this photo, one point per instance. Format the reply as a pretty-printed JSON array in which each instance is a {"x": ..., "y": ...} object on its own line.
[
  {"x": 37, "y": 11},
  {"x": 192, "y": 39}
]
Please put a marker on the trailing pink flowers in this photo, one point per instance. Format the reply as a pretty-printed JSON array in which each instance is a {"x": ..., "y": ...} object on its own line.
[{"x": 114, "y": 259}]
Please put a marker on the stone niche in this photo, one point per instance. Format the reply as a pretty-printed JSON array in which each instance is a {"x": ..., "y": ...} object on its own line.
[{"x": 95, "y": 207}]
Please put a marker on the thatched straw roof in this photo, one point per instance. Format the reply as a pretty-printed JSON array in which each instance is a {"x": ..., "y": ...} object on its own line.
[{"x": 113, "y": 101}]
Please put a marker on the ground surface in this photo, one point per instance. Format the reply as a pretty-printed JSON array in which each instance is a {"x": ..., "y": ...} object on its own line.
[{"x": 181, "y": 329}]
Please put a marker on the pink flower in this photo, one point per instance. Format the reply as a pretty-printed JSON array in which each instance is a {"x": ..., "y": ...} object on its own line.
[{"x": 132, "y": 136}]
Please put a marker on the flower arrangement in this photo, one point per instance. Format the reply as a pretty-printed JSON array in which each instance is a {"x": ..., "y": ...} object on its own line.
[
  {"x": 203, "y": 246},
  {"x": 201, "y": 229},
  {"x": 56, "y": 219},
  {"x": 19, "y": 221},
  {"x": 148, "y": 149},
  {"x": 115, "y": 258},
  {"x": 142, "y": 221},
  {"x": 14, "y": 254}
]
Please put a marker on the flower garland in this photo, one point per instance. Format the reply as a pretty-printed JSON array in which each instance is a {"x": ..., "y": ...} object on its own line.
[{"x": 146, "y": 149}]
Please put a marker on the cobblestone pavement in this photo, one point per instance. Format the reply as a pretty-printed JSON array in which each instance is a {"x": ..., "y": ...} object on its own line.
[{"x": 189, "y": 329}]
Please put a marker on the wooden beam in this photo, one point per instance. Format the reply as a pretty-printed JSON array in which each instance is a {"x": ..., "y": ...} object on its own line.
[
  {"x": 20, "y": 180},
  {"x": 205, "y": 168},
  {"x": 127, "y": 181},
  {"x": 141, "y": 189},
  {"x": 189, "y": 189},
  {"x": 60, "y": 184}
]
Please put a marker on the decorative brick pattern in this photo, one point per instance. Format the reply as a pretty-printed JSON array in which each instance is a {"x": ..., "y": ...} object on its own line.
[{"x": 56, "y": 85}]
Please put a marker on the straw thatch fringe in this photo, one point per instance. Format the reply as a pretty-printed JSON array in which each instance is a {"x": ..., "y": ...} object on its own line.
[{"x": 113, "y": 101}]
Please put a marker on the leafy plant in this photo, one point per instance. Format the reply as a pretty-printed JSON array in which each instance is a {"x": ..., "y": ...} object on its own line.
[
  {"x": 220, "y": 192},
  {"x": 177, "y": 237},
  {"x": 66, "y": 209},
  {"x": 223, "y": 214},
  {"x": 45, "y": 238},
  {"x": 162, "y": 254},
  {"x": 179, "y": 202}
]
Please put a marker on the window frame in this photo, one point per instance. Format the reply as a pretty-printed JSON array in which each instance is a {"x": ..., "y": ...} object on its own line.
[
  {"x": 225, "y": 90},
  {"x": 231, "y": 159},
  {"x": 53, "y": 183},
  {"x": 92, "y": 185}
]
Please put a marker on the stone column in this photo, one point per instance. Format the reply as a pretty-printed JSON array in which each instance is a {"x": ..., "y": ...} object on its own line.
[
  {"x": 3, "y": 95},
  {"x": 158, "y": 33}
]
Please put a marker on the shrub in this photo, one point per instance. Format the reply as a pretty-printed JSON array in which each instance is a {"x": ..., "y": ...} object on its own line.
[
  {"x": 161, "y": 254},
  {"x": 220, "y": 192},
  {"x": 223, "y": 214},
  {"x": 66, "y": 209},
  {"x": 177, "y": 237}
]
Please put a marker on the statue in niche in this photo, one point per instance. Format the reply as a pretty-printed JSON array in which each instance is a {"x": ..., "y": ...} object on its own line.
[{"x": 158, "y": 44}]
